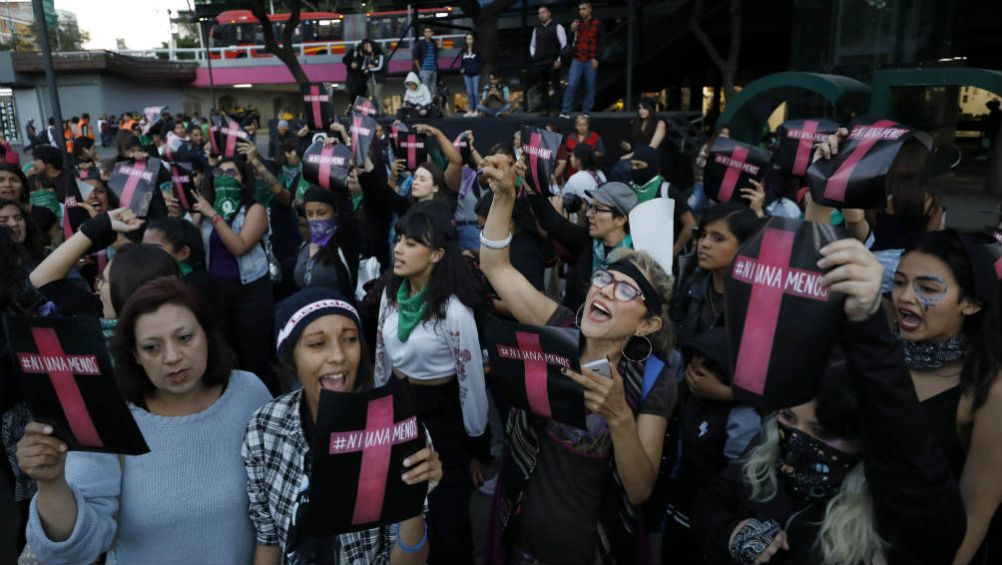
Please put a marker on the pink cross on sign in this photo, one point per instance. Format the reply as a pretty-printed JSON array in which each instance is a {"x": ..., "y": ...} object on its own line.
[
  {"x": 315, "y": 98},
  {"x": 61, "y": 369},
  {"x": 411, "y": 144},
  {"x": 535, "y": 374},
  {"x": 180, "y": 179},
  {"x": 771, "y": 278},
  {"x": 734, "y": 164},
  {"x": 804, "y": 146},
  {"x": 868, "y": 136},
  {"x": 135, "y": 173},
  {"x": 376, "y": 443}
]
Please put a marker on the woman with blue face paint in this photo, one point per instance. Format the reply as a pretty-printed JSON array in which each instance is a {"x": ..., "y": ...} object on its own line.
[
  {"x": 947, "y": 302},
  {"x": 330, "y": 258}
]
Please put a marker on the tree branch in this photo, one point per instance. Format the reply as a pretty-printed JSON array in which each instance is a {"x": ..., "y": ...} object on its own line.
[
  {"x": 735, "y": 51},
  {"x": 704, "y": 39},
  {"x": 284, "y": 52}
]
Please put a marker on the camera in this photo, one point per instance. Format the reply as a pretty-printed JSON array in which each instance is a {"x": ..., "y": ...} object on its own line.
[{"x": 573, "y": 203}]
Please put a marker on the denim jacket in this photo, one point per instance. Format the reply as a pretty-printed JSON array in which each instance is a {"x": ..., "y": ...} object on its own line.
[{"x": 253, "y": 264}]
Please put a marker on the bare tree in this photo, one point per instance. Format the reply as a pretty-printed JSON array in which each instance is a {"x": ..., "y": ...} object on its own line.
[
  {"x": 729, "y": 67},
  {"x": 284, "y": 50},
  {"x": 485, "y": 18}
]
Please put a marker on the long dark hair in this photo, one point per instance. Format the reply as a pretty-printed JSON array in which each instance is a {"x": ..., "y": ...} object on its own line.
[
  {"x": 471, "y": 48},
  {"x": 246, "y": 176},
  {"x": 132, "y": 378},
  {"x": 983, "y": 330},
  {"x": 135, "y": 265},
  {"x": 906, "y": 180},
  {"x": 25, "y": 187},
  {"x": 430, "y": 223},
  {"x": 438, "y": 178},
  {"x": 181, "y": 233},
  {"x": 644, "y": 128},
  {"x": 739, "y": 218},
  {"x": 16, "y": 296},
  {"x": 33, "y": 246}
]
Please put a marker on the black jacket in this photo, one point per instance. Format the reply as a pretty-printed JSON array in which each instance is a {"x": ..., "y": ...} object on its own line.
[
  {"x": 577, "y": 241},
  {"x": 355, "y": 77},
  {"x": 687, "y": 305},
  {"x": 421, "y": 50},
  {"x": 916, "y": 499}
]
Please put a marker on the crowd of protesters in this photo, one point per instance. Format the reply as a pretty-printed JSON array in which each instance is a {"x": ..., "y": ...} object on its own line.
[{"x": 227, "y": 318}]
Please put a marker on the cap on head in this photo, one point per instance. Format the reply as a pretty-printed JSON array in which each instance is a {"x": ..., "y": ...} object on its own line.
[{"x": 619, "y": 196}]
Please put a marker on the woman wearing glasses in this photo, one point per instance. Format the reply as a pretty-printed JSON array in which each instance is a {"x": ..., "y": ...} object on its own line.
[
  {"x": 233, "y": 229},
  {"x": 591, "y": 245},
  {"x": 566, "y": 493}
]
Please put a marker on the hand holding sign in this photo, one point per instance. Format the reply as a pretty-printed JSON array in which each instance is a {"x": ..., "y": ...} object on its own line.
[
  {"x": 540, "y": 147},
  {"x": 797, "y": 139},
  {"x": 854, "y": 272},
  {"x": 133, "y": 183},
  {"x": 730, "y": 166},
  {"x": 41, "y": 455}
]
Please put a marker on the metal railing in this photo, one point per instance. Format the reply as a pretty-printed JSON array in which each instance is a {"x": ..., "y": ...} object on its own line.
[{"x": 258, "y": 51}]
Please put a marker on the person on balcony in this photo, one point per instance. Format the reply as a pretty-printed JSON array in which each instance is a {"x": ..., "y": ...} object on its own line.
[
  {"x": 426, "y": 59},
  {"x": 354, "y": 65},
  {"x": 496, "y": 98},
  {"x": 589, "y": 43},
  {"x": 417, "y": 99},
  {"x": 548, "y": 40}
]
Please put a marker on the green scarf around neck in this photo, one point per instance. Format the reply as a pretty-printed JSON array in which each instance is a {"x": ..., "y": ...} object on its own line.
[
  {"x": 598, "y": 257},
  {"x": 185, "y": 267},
  {"x": 650, "y": 190},
  {"x": 410, "y": 310}
]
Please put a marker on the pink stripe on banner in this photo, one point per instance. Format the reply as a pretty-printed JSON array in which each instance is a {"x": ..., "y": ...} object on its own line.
[
  {"x": 535, "y": 140},
  {"x": 375, "y": 464},
  {"x": 131, "y": 183},
  {"x": 315, "y": 104},
  {"x": 326, "y": 154},
  {"x": 836, "y": 186},
  {"x": 411, "y": 151},
  {"x": 535, "y": 376},
  {"x": 763, "y": 315},
  {"x": 998, "y": 269},
  {"x": 67, "y": 391},
  {"x": 231, "y": 139},
  {"x": 731, "y": 176},
  {"x": 356, "y": 123},
  {"x": 180, "y": 190},
  {"x": 804, "y": 147}
]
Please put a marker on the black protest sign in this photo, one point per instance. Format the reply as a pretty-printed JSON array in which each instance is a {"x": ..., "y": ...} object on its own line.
[
  {"x": 463, "y": 145},
  {"x": 183, "y": 185},
  {"x": 364, "y": 107},
  {"x": 133, "y": 183},
  {"x": 525, "y": 364},
  {"x": 781, "y": 321},
  {"x": 327, "y": 167},
  {"x": 358, "y": 451},
  {"x": 317, "y": 106},
  {"x": 731, "y": 166},
  {"x": 64, "y": 372},
  {"x": 411, "y": 147},
  {"x": 855, "y": 176},
  {"x": 175, "y": 146},
  {"x": 540, "y": 148},
  {"x": 362, "y": 130},
  {"x": 152, "y": 115},
  {"x": 797, "y": 139},
  {"x": 225, "y": 137}
]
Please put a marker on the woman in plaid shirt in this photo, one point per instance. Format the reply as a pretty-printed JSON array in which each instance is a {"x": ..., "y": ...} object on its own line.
[{"x": 319, "y": 340}]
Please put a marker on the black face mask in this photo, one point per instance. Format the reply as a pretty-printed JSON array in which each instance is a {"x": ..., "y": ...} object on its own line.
[
  {"x": 643, "y": 176},
  {"x": 811, "y": 469}
]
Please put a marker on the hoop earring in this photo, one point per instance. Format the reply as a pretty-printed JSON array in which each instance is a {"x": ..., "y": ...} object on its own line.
[
  {"x": 650, "y": 350},
  {"x": 577, "y": 317}
]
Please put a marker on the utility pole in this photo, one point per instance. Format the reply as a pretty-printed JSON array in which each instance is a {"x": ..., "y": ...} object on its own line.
[
  {"x": 631, "y": 32},
  {"x": 50, "y": 73}
]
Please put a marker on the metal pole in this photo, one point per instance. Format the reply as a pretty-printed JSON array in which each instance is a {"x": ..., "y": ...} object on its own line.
[
  {"x": 50, "y": 73},
  {"x": 631, "y": 31},
  {"x": 208, "y": 61}
]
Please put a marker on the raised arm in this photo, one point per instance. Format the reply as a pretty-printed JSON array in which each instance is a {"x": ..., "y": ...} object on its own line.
[
  {"x": 99, "y": 232},
  {"x": 454, "y": 170},
  {"x": 526, "y": 304},
  {"x": 249, "y": 150}
]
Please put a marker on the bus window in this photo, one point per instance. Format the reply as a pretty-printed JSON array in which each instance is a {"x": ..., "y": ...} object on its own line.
[{"x": 327, "y": 30}]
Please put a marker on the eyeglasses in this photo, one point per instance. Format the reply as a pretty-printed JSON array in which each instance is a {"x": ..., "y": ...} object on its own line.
[
  {"x": 232, "y": 173},
  {"x": 622, "y": 291},
  {"x": 593, "y": 209}
]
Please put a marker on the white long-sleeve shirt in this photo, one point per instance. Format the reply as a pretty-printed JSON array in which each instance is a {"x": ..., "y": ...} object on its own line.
[{"x": 437, "y": 349}]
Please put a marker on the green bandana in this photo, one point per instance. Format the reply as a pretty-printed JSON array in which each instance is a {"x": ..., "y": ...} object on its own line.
[
  {"x": 263, "y": 194},
  {"x": 288, "y": 175},
  {"x": 145, "y": 140},
  {"x": 301, "y": 188},
  {"x": 410, "y": 310},
  {"x": 650, "y": 190},
  {"x": 46, "y": 198},
  {"x": 186, "y": 268},
  {"x": 598, "y": 258},
  {"x": 108, "y": 328},
  {"x": 356, "y": 201},
  {"x": 228, "y": 194}
]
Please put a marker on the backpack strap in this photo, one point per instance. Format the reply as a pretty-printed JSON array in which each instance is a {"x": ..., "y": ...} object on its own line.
[{"x": 652, "y": 369}]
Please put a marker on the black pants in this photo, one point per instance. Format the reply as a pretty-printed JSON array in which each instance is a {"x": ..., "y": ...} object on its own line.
[
  {"x": 251, "y": 312},
  {"x": 547, "y": 77},
  {"x": 449, "y": 531}
]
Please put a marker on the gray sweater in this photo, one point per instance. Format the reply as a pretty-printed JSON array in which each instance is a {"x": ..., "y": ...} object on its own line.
[{"x": 183, "y": 502}]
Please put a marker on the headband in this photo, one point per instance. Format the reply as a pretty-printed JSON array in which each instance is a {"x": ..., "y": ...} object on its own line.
[
  {"x": 293, "y": 327},
  {"x": 651, "y": 297}
]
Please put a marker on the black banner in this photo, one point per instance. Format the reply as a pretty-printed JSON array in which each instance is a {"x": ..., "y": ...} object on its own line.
[
  {"x": 540, "y": 148},
  {"x": 525, "y": 363},
  {"x": 317, "y": 106},
  {"x": 183, "y": 185},
  {"x": 411, "y": 147},
  {"x": 362, "y": 130},
  {"x": 133, "y": 183},
  {"x": 855, "y": 176},
  {"x": 327, "y": 167},
  {"x": 358, "y": 450},
  {"x": 225, "y": 137},
  {"x": 64, "y": 371},
  {"x": 797, "y": 139},
  {"x": 364, "y": 107},
  {"x": 781, "y": 321},
  {"x": 731, "y": 166}
]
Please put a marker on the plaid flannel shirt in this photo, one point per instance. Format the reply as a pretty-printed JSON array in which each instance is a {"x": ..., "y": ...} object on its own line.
[
  {"x": 277, "y": 458},
  {"x": 590, "y": 40}
]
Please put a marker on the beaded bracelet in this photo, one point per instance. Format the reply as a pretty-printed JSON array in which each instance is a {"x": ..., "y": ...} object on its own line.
[
  {"x": 410, "y": 548},
  {"x": 495, "y": 243}
]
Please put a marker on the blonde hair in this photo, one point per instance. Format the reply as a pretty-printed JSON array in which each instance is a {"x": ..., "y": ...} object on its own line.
[
  {"x": 663, "y": 340},
  {"x": 848, "y": 532}
]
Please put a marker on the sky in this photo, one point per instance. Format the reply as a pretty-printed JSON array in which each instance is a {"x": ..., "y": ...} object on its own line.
[{"x": 143, "y": 24}]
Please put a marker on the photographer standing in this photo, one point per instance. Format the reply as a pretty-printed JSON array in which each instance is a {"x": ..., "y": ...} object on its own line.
[
  {"x": 495, "y": 99},
  {"x": 548, "y": 40}
]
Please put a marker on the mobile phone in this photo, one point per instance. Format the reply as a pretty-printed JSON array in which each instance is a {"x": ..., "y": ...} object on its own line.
[{"x": 600, "y": 366}]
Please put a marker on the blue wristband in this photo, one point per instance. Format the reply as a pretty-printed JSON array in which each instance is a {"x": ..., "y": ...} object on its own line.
[{"x": 409, "y": 548}]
